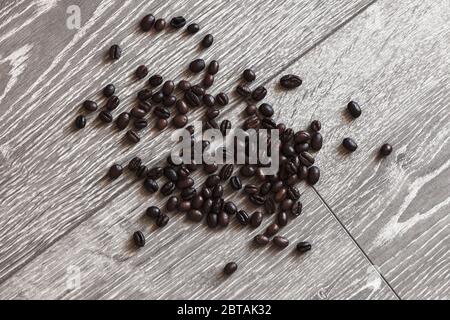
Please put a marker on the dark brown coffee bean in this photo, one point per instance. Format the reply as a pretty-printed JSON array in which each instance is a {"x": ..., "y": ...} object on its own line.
[
  {"x": 135, "y": 164},
  {"x": 222, "y": 99},
  {"x": 266, "y": 110},
  {"x": 123, "y": 120},
  {"x": 287, "y": 135},
  {"x": 257, "y": 199},
  {"x": 251, "y": 189},
  {"x": 139, "y": 239},
  {"x": 302, "y": 137},
  {"x": 197, "y": 65},
  {"x": 184, "y": 206},
  {"x": 248, "y": 171},
  {"x": 185, "y": 183},
  {"x": 195, "y": 215},
  {"x": 105, "y": 116},
  {"x": 207, "y": 206},
  {"x": 243, "y": 90},
  {"x": 287, "y": 204},
  {"x": 145, "y": 94},
  {"x": 290, "y": 81},
  {"x": 313, "y": 175},
  {"x": 270, "y": 206},
  {"x": 151, "y": 185},
  {"x": 230, "y": 208},
  {"x": 291, "y": 180},
  {"x": 282, "y": 219},
  {"x": 208, "y": 81},
  {"x": 288, "y": 150},
  {"x": 259, "y": 93},
  {"x": 183, "y": 171},
  {"x": 212, "y": 220},
  {"x": 302, "y": 172},
  {"x": 155, "y": 173},
  {"x": 140, "y": 124},
  {"x": 206, "y": 193},
  {"x": 178, "y": 22},
  {"x": 209, "y": 100},
  {"x": 157, "y": 97},
  {"x": 249, "y": 75},
  {"x": 210, "y": 168},
  {"x": 191, "y": 98},
  {"x": 161, "y": 112},
  {"x": 316, "y": 141},
  {"x": 306, "y": 159},
  {"x": 290, "y": 167},
  {"x": 169, "y": 101},
  {"x": 147, "y": 22},
  {"x": 264, "y": 189},
  {"x": 315, "y": 126},
  {"x": 280, "y": 242},
  {"x": 354, "y": 109},
  {"x": 115, "y": 52},
  {"x": 212, "y": 181},
  {"x": 213, "y": 67},
  {"x": 80, "y": 121},
  {"x": 223, "y": 219},
  {"x": 112, "y": 103},
  {"x": 236, "y": 183},
  {"x": 211, "y": 124},
  {"x": 293, "y": 193},
  {"x": 256, "y": 219},
  {"x": 138, "y": 112},
  {"x": 230, "y": 268},
  {"x": 160, "y": 24},
  {"x": 193, "y": 28},
  {"x": 199, "y": 91},
  {"x": 261, "y": 240},
  {"x": 168, "y": 87},
  {"x": 226, "y": 172},
  {"x": 212, "y": 113},
  {"x": 167, "y": 188},
  {"x": 217, "y": 191},
  {"x": 250, "y": 110},
  {"x": 188, "y": 193},
  {"x": 180, "y": 121},
  {"x": 172, "y": 203},
  {"x": 182, "y": 107},
  {"x": 243, "y": 217},
  {"x": 161, "y": 124},
  {"x": 184, "y": 85},
  {"x": 155, "y": 80},
  {"x": 277, "y": 186},
  {"x": 141, "y": 72},
  {"x": 297, "y": 209},
  {"x": 115, "y": 171},
  {"x": 280, "y": 195},
  {"x": 303, "y": 247},
  {"x": 385, "y": 150},
  {"x": 217, "y": 206},
  {"x": 162, "y": 220},
  {"x": 153, "y": 212},
  {"x": 272, "y": 230},
  {"x": 90, "y": 105},
  {"x": 109, "y": 90},
  {"x": 197, "y": 202},
  {"x": 207, "y": 41},
  {"x": 171, "y": 174},
  {"x": 268, "y": 123},
  {"x": 252, "y": 122},
  {"x": 350, "y": 144}
]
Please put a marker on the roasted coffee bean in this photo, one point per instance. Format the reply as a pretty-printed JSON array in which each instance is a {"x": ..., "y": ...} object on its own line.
[
  {"x": 193, "y": 28},
  {"x": 222, "y": 99},
  {"x": 302, "y": 137},
  {"x": 161, "y": 112},
  {"x": 138, "y": 112},
  {"x": 184, "y": 85},
  {"x": 140, "y": 124},
  {"x": 225, "y": 126},
  {"x": 268, "y": 123},
  {"x": 230, "y": 208},
  {"x": 151, "y": 185},
  {"x": 350, "y": 144},
  {"x": 272, "y": 230},
  {"x": 153, "y": 212},
  {"x": 169, "y": 101},
  {"x": 313, "y": 175},
  {"x": 162, "y": 220},
  {"x": 155, "y": 173},
  {"x": 301, "y": 147},
  {"x": 250, "y": 110},
  {"x": 90, "y": 105},
  {"x": 266, "y": 110},
  {"x": 105, "y": 116},
  {"x": 115, "y": 171},
  {"x": 172, "y": 203},
  {"x": 167, "y": 188},
  {"x": 161, "y": 124},
  {"x": 212, "y": 113},
  {"x": 297, "y": 209},
  {"x": 213, "y": 67},
  {"x": 288, "y": 150},
  {"x": 195, "y": 215},
  {"x": 259, "y": 93},
  {"x": 217, "y": 206},
  {"x": 142, "y": 171},
  {"x": 248, "y": 171},
  {"x": 230, "y": 268},
  {"x": 217, "y": 191},
  {"x": 157, "y": 97},
  {"x": 256, "y": 219},
  {"x": 354, "y": 109},
  {"x": 290, "y": 167},
  {"x": 261, "y": 240},
  {"x": 302, "y": 172},
  {"x": 180, "y": 121},
  {"x": 252, "y": 122},
  {"x": 145, "y": 105},
  {"x": 277, "y": 186},
  {"x": 211, "y": 124},
  {"x": 208, "y": 81},
  {"x": 290, "y": 81},
  {"x": 197, "y": 65},
  {"x": 188, "y": 193},
  {"x": 223, "y": 219},
  {"x": 306, "y": 159},
  {"x": 139, "y": 239},
  {"x": 281, "y": 195},
  {"x": 171, "y": 174},
  {"x": 265, "y": 188},
  {"x": 112, "y": 103},
  {"x": 270, "y": 206},
  {"x": 209, "y": 100},
  {"x": 303, "y": 247},
  {"x": 183, "y": 171},
  {"x": 191, "y": 98},
  {"x": 257, "y": 199},
  {"x": 155, "y": 80},
  {"x": 168, "y": 87},
  {"x": 385, "y": 150},
  {"x": 293, "y": 193},
  {"x": 160, "y": 24},
  {"x": 206, "y": 193},
  {"x": 109, "y": 90},
  {"x": 212, "y": 220},
  {"x": 315, "y": 126},
  {"x": 199, "y": 91},
  {"x": 135, "y": 163},
  {"x": 207, "y": 41},
  {"x": 184, "y": 206},
  {"x": 226, "y": 172},
  {"x": 243, "y": 217},
  {"x": 249, "y": 75},
  {"x": 182, "y": 107},
  {"x": 178, "y": 22},
  {"x": 287, "y": 204},
  {"x": 316, "y": 141},
  {"x": 197, "y": 202},
  {"x": 141, "y": 72},
  {"x": 243, "y": 90},
  {"x": 236, "y": 183},
  {"x": 280, "y": 241},
  {"x": 80, "y": 122},
  {"x": 251, "y": 189},
  {"x": 115, "y": 52},
  {"x": 291, "y": 180},
  {"x": 212, "y": 181},
  {"x": 282, "y": 219},
  {"x": 207, "y": 206},
  {"x": 210, "y": 168},
  {"x": 147, "y": 22},
  {"x": 185, "y": 183}
]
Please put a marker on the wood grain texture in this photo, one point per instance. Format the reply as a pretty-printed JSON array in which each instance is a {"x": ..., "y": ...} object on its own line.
[
  {"x": 52, "y": 178},
  {"x": 393, "y": 59}
]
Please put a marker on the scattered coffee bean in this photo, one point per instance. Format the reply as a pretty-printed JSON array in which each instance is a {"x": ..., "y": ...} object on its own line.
[
  {"x": 185, "y": 183},
  {"x": 169, "y": 101},
  {"x": 230, "y": 268},
  {"x": 184, "y": 206},
  {"x": 315, "y": 126},
  {"x": 160, "y": 24},
  {"x": 230, "y": 208},
  {"x": 212, "y": 220},
  {"x": 213, "y": 67},
  {"x": 109, "y": 90},
  {"x": 251, "y": 189},
  {"x": 161, "y": 124},
  {"x": 172, "y": 203},
  {"x": 226, "y": 172},
  {"x": 135, "y": 163},
  {"x": 193, "y": 28},
  {"x": 385, "y": 150},
  {"x": 287, "y": 204},
  {"x": 223, "y": 219},
  {"x": 168, "y": 87},
  {"x": 210, "y": 168},
  {"x": 297, "y": 209},
  {"x": 268, "y": 123},
  {"x": 252, "y": 122},
  {"x": 199, "y": 91},
  {"x": 191, "y": 98},
  {"x": 302, "y": 137},
  {"x": 266, "y": 110},
  {"x": 281, "y": 195},
  {"x": 313, "y": 175},
  {"x": 132, "y": 136},
  {"x": 261, "y": 240},
  {"x": 195, "y": 215},
  {"x": 139, "y": 239},
  {"x": 153, "y": 212},
  {"x": 350, "y": 144},
  {"x": 212, "y": 181},
  {"x": 271, "y": 230},
  {"x": 256, "y": 219},
  {"x": 217, "y": 191},
  {"x": 145, "y": 94},
  {"x": 155, "y": 173},
  {"x": 105, "y": 116},
  {"x": 112, "y": 103},
  {"x": 209, "y": 100},
  {"x": 178, "y": 22},
  {"x": 207, "y": 206},
  {"x": 243, "y": 90},
  {"x": 290, "y": 81},
  {"x": 302, "y": 172},
  {"x": 197, "y": 65},
  {"x": 259, "y": 93},
  {"x": 115, "y": 171},
  {"x": 197, "y": 202},
  {"x": 354, "y": 109},
  {"x": 243, "y": 217},
  {"x": 265, "y": 188},
  {"x": 280, "y": 241},
  {"x": 236, "y": 183},
  {"x": 161, "y": 112},
  {"x": 188, "y": 193},
  {"x": 207, "y": 41},
  {"x": 257, "y": 199},
  {"x": 303, "y": 247},
  {"x": 180, "y": 121},
  {"x": 206, "y": 193},
  {"x": 155, "y": 80},
  {"x": 208, "y": 81},
  {"x": 217, "y": 205},
  {"x": 115, "y": 52},
  {"x": 141, "y": 72},
  {"x": 162, "y": 220},
  {"x": 151, "y": 185},
  {"x": 249, "y": 75},
  {"x": 182, "y": 107},
  {"x": 80, "y": 122},
  {"x": 142, "y": 171},
  {"x": 147, "y": 22},
  {"x": 293, "y": 193},
  {"x": 270, "y": 206},
  {"x": 167, "y": 188},
  {"x": 90, "y": 105},
  {"x": 158, "y": 97},
  {"x": 316, "y": 141},
  {"x": 282, "y": 219},
  {"x": 306, "y": 159},
  {"x": 138, "y": 113},
  {"x": 140, "y": 124},
  {"x": 222, "y": 99},
  {"x": 250, "y": 110}
]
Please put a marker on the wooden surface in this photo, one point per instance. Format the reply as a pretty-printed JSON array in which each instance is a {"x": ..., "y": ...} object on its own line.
[{"x": 379, "y": 228}]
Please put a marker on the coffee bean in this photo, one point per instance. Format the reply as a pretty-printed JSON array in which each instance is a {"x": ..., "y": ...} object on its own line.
[
  {"x": 225, "y": 126},
  {"x": 287, "y": 204},
  {"x": 199, "y": 91},
  {"x": 270, "y": 206},
  {"x": 207, "y": 41},
  {"x": 248, "y": 171},
  {"x": 259, "y": 93},
  {"x": 172, "y": 203},
  {"x": 206, "y": 193},
  {"x": 138, "y": 112},
  {"x": 157, "y": 97},
  {"x": 230, "y": 268},
  {"x": 135, "y": 163},
  {"x": 171, "y": 174},
  {"x": 297, "y": 209},
  {"x": 268, "y": 123},
  {"x": 193, "y": 28},
  {"x": 168, "y": 87},
  {"x": 182, "y": 107},
  {"x": 256, "y": 219},
  {"x": 167, "y": 188},
  {"x": 217, "y": 206},
  {"x": 162, "y": 220},
  {"x": 230, "y": 208},
  {"x": 280, "y": 242},
  {"x": 147, "y": 22},
  {"x": 213, "y": 67},
  {"x": 109, "y": 90},
  {"x": 210, "y": 168},
  {"x": 105, "y": 116},
  {"x": 277, "y": 186},
  {"x": 271, "y": 230},
  {"x": 252, "y": 122},
  {"x": 153, "y": 212},
  {"x": 316, "y": 141},
  {"x": 151, "y": 185},
  {"x": 184, "y": 206},
  {"x": 208, "y": 81},
  {"x": 155, "y": 173},
  {"x": 183, "y": 171},
  {"x": 243, "y": 90},
  {"x": 250, "y": 110},
  {"x": 185, "y": 183},
  {"x": 217, "y": 191},
  {"x": 354, "y": 109},
  {"x": 315, "y": 126},
  {"x": 188, "y": 193},
  {"x": 302, "y": 172},
  {"x": 161, "y": 124},
  {"x": 350, "y": 144},
  {"x": 212, "y": 220},
  {"x": 287, "y": 136},
  {"x": 178, "y": 22},
  {"x": 212, "y": 181},
  {"x": 303, "y": 247},
  {"x": 251, "y": 189},
  {"x": 209, "y": 100},
  {"x": 142, "y": 171},
  {"x": 144, "y": 94},
  {"x": 90, "y": 105},
  {"x": 290, "y": 167},
  {"x": 261, "y": 240},
  {"x": 195, "y": 215},
  {"x": 249, "y": 75},
  {"x": 139, "y": 239},
  {"x": 222, "y": 99},
  {"x": 207, "y": 206},
  {"x": 236, "y": 183},
  {"x": 290, "y": 81},
  {"x": 145, "y": 105},
  {"x": 141, "y": 72},
  {"x": 266, "y": 110},
  {"x": 161, "y": 112},
  {"x": 265, "y": 188},
  {"x": 293, "y": 193},
  {"x": 211, "y": 124},
  {"x": 112, "y": 103},
  {"x": 306, "y": 159},
  {"x": 115, "y": 171},
  {"x": 288, "y": 150},
  {"x": 80, "y": 122},
  {"x": 115, "y": 52},
  {"x": 243, "y": 217},
  {"x": 291, "y": 180},
  {"x": 226, "y": 172},
  {"x": 140, "y": 124},
  {"x": 160, "y": 24},
  {"x": 169, "y": 101},
  {"x": 184, "y": 85},
  {"x": 191, "y": 98},
  {"x": 155, "y": 80},
  {"x": 257, "y": 199},
  {"x": 180, "y": 121},
  {"x": 282, "y": 219},
  {"x": 385, "y": 150},
  {"x": 197, "y": 65},
  {"x": 302, "y": 137},
  {"x": 197, "y": 202},
  {"x": 313, "y": 175},
  {"x": 281, "y": 195}
]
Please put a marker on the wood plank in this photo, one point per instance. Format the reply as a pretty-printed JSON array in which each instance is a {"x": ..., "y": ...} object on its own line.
[
  {"x": 185, "y": 261},
  {"x": 392, "y": 59},
  {"x": 51, "y": 177}
]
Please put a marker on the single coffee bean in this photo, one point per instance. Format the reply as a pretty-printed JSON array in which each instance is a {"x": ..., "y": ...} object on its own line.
[
  {"x": 169, "y": 101},
  {"x": 139, "y": 239},
  {"x": 171, "y": 174},
  {"x": 160, "y": 24},
  {"x": 302, "y": 172},
  {"x": 105, "y": 116},
  {"x": 213, "y": 67},
  {"x": 191, "y": 98},
  {"x": 212, "y": 220},
  {"x": 155, "y": 80},
  {"x": 188, "y": 193},
  {"x": 277, "y": 186},
  {"x": 185, "y": 183},
  {"x": 282, "y": 219},
  {"x": 115, "y": 52},
  {"x": 243, "y": 217},
  {"x": 313, "y": 175},
  {"x": 115, "y": 171},
  {"x": 182, "y": 107},
  {"x": 257, "y": 199},
  {"x": 266, "y": 110},
  {"x": 281, "y": 195},
  {"x": 155, "y": 173},
  {"x": 208, "y": 81},
  {"x": 209, "y": 100},
  {"x": 212, "y": 181},
  {"x": 145, "y": 105},
  {"x": 261, "y": 240},
  {"x": 236, "y": 183},
  {"x": 153, "y": 212},
  {"x": 251, "y": 189},
  {"x": 180, "y": 121},
  {"x": 306, "y": 159},
  {"x": 230, "y": 268},
  {"x": 225, "y": 126},
  {"x": 281, "y": 127},
  {"x": 270, "y": 206},
  {"x": 316, "y": 141},
  {"x": 226, "y": 172},
  {"x": 293, "y": 193},
  {"x": 172, "y": 203},
  {"x": 250, "y": 110},
  {"x": 183, "y": 171},
  {"x": 141, "y": 72},
  {"x": 291, "y": 180},
  {"x": 385, "y": 150},
  {"x": 354, "y": 109},
  {"x": 350, "y": 144},
  {"x": 271, "y": 230},
  {"x": 303, "y": 247},
  {"x": 158, "y": 97},
  {"x": 138, "y": 112},
  {"x": 287, "y": 204},
  {"x": 256, "y": 219},
  {"x": 144, "y": 94},
  {"x": 161, "y": 112},
  {"x": 197, "y": 65},
  {"x": 167, "y": 188},
  {"x": 80, "y": 122},
  {"x": 197, "y": 202},
  {"x": 265, "y": 188},
  {"x": 288, "y": 150},
  {"x": 259, "y": 93},
  {"x": 184, "y": 85},
  {"x": 287, "y": 135},
  {"x": 140, "y": 124},
  {"x": 297, "y": 209},
  {"x": 212, "y": 113},
  {"x": 195, "y": 215},
  {"x": 112, "y": 103},
  {"x": 217, "y": 191},
  {"x": 199, "y": 91},
  {"x": 90, "y": 105},
  {"x": 290, "y": 167},
  {"x": 217, "y": 206},
  {"x": 222, "y": 99},
  {"x": 184, "y": 206},
  {"x": 230, "y": 208},
  {"x": 178, "y": 22},
  {"x": 248, "y": 170},
  {"x": 109, "y": 90},
  {"x": 168, "y": 87},
  {"x": 302, "y": 137},
  {"x": 249, "y": 75},
  {"x": 134, "y": 164},
  {"x": 206, "y": 193},
  {"x": 290, "y": 81},
  {"x": 207, "y": 206},
  {"x": 280, "y": 242},
  {"x": 252, "y": 122},
  {"x": 315, "y": 126},
  {"x": 193, "y": 28},
  {"x": 147, "y": 22},
  {"x": 151, "y": 185},
  {"x": 243, "y": 90},
  {"x": 161, "y": 124},
  {"x": 207, "y": 41},
  {"x": 162, "y": 220}
]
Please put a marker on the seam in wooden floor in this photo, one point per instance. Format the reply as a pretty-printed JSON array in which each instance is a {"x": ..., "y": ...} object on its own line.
[{"x": 293, "y": 61}]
